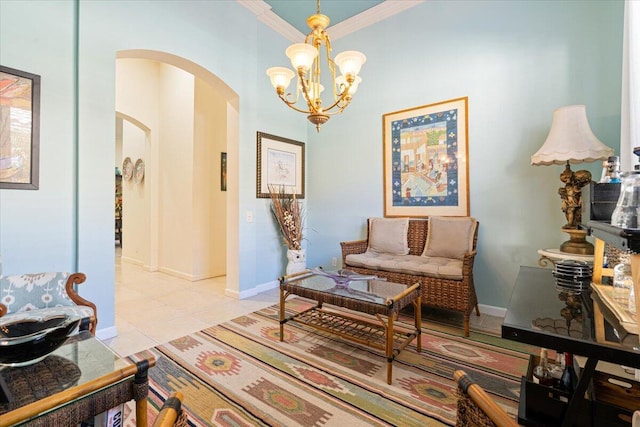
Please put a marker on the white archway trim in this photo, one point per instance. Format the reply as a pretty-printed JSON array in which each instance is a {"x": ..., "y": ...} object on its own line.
[
  {"x": 191, "y": 67},
  {"x": 146, "y": 129}
]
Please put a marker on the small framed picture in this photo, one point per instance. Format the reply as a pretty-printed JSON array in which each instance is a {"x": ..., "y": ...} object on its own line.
[
  {"x": 280, "y": 163},
  {"x": 223, "y": 171}
]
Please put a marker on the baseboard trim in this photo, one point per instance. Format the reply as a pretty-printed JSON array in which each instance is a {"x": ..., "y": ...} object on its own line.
[
  {"x": 253, "y": 291},
  {"x": 107, "y": 333},
  {"x": 132, "y": 261},
  {"x": 492, "y": 310}
]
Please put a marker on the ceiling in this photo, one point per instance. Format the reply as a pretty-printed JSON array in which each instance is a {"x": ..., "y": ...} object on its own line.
[
  {"x": 289, "y": 17},
  {"x": 296, "y": 12}
]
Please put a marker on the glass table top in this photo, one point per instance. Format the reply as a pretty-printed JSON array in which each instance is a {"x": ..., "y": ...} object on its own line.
[
  {"x": 372, "y": 291},
  {"x": 81, "y": 359},
  {"x": 541, "y": 315}
]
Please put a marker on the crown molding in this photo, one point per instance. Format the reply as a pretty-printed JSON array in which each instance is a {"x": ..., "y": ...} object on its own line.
[
  {"x": 265, "y": 15},
  {"x": 369, "y": 17}
]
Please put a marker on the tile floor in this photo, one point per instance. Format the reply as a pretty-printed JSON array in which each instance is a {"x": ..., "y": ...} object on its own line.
[{"x": 153, "y": 308}]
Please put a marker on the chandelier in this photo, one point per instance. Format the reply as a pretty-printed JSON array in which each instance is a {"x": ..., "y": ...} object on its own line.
[{"x": 305, "y": 58}]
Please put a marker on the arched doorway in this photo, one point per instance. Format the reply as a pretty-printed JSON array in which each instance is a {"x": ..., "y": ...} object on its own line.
[{"x": 179, "y": 180}]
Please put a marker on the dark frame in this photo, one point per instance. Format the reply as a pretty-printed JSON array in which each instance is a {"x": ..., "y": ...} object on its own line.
[
  {"x": 223, "y": 171},
  {"x": 19, "y": 149},
  {"x": 280, "y": 163}
]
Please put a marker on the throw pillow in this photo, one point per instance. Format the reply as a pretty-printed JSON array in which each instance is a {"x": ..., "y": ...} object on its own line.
[
  {"x": 449, "y": 237},
  {"x": 388, "y": 235}
]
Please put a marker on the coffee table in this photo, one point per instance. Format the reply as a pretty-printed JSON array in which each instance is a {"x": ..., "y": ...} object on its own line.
[{"x": 381, "y": 299}]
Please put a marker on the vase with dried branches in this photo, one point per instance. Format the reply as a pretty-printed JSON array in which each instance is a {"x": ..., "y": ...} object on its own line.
[{"x": 289, "y": 215}]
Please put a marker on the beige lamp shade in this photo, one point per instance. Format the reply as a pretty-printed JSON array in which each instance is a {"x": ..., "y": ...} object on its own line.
[{"x": 570, "y": 140}]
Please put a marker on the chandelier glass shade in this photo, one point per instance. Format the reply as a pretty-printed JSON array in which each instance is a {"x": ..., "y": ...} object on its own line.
[{"x": 305, "y": 59}]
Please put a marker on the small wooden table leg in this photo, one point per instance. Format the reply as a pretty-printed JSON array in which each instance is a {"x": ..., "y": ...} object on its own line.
[
  {"x": 141, "y": 392},
  {"x": 417, "y": 317},
  {"x": 389, "y": 347},
  {"x": 281, "y": 315}
]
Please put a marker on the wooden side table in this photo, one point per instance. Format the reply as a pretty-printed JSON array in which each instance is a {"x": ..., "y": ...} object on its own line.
[{"x": 549, "y": 257}]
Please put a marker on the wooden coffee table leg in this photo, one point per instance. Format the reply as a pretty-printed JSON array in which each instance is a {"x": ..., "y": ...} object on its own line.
[
  {"x": 389, "y": 347},
  {"x": 281, "y": 315},
  {"x": 417, "y": 318}
]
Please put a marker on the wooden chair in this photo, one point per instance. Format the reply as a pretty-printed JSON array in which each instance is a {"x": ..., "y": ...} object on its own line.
[
  {"x": 23, "y": 292},
  {"x": 171, "y": 414},
  {"x": 476, "y": 408}
]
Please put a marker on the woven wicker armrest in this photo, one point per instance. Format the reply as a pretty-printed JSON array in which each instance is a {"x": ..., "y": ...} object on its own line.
[
  {"x": 353, "y": 247},
  {"x": 3, "y": 310},
  {"x": 171, "y": 413},
  {"x": 476, "y": 408}
]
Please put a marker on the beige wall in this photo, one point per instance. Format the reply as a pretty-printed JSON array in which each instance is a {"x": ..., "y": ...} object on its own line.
[
  {"x": 135, "y": 198},
  {"x": 210, "y": 204},
  {"x": 175, "y": 220}
]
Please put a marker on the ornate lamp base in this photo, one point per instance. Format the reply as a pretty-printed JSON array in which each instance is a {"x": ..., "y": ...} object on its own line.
[{"x": 577, "y": 243}]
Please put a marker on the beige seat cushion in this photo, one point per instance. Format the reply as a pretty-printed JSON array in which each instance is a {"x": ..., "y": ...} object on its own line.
[
  {"x": 450, "y": 237},
  {"x": 388, "y": 236},
  {"x": 442, "y": 268}
]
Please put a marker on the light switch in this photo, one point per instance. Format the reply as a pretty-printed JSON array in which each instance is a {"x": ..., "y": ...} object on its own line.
[{"x": 249, "y": 216}]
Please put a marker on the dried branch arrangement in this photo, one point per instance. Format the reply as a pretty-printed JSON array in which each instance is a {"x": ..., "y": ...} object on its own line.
[{"x": 288, "y": 212}]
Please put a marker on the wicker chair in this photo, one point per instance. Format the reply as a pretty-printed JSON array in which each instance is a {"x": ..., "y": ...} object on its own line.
[
  {"x": 171, "y": 413},
  {"x": 449, "y": 294},
  {"x": 476, "y": 408}
]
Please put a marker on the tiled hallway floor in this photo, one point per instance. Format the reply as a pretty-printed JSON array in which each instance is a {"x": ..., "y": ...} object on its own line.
[{"x": 153, "y": 308}]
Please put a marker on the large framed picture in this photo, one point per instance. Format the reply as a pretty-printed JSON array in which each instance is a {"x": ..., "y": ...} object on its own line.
[
  {"x": 280, "y": 164},
  {"x": 426, "y": 165},
  {"x": 19, "y": 129}
]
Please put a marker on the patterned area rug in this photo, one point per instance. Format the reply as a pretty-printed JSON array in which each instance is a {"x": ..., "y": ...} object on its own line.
[{"x": 240, "y": 374}]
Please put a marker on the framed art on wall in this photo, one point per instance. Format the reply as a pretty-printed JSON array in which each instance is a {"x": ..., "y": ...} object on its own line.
[
  {"x": 426, "y": 167},
  {"x": 19, "y": 129},
  {"x": 280, "y": 163},
  {"x": 223, "y": 171}
]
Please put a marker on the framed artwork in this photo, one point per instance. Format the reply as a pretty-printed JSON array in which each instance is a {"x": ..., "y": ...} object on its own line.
[
  {"x": 19, "y": 129},
  {"x": 223, "y": 171},
  {"x": 280, "y": 163},
  {"x": 426, "y": 167}
]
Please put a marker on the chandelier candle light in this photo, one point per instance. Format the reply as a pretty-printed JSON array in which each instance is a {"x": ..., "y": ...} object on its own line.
[{"x": 305, "y": 58}]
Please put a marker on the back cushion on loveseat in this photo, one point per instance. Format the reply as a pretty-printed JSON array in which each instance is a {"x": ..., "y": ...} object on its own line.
[
  {"x": 388, "y": 236},
  {"x": 450, "y": 237}
]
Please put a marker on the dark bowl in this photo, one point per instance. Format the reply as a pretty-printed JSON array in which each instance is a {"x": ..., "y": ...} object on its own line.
[{"x": 30, "y": 336}]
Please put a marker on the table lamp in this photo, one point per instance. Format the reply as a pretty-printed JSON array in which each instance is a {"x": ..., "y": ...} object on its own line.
[{"x": 571, "y": 140}]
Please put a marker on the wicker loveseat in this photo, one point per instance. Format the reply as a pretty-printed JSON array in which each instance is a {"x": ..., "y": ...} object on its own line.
[{"x": 446, "y": 278}]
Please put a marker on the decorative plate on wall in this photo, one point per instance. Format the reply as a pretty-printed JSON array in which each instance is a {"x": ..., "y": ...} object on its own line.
[
  {"x": 127, "y": 168},
  {"x": 138, "y": 172}
]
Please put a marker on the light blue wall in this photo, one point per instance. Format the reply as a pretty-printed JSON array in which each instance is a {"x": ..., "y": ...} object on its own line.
[
  {"x": 516, "y": 61},
  {"x": 37, "y": 227}
]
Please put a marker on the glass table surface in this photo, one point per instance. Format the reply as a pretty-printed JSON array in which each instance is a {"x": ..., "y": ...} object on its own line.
[
  {"x": 372, "y": 291},
  {"x": 541, "y": 315},
  {"x": 83, "y": 358}
]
